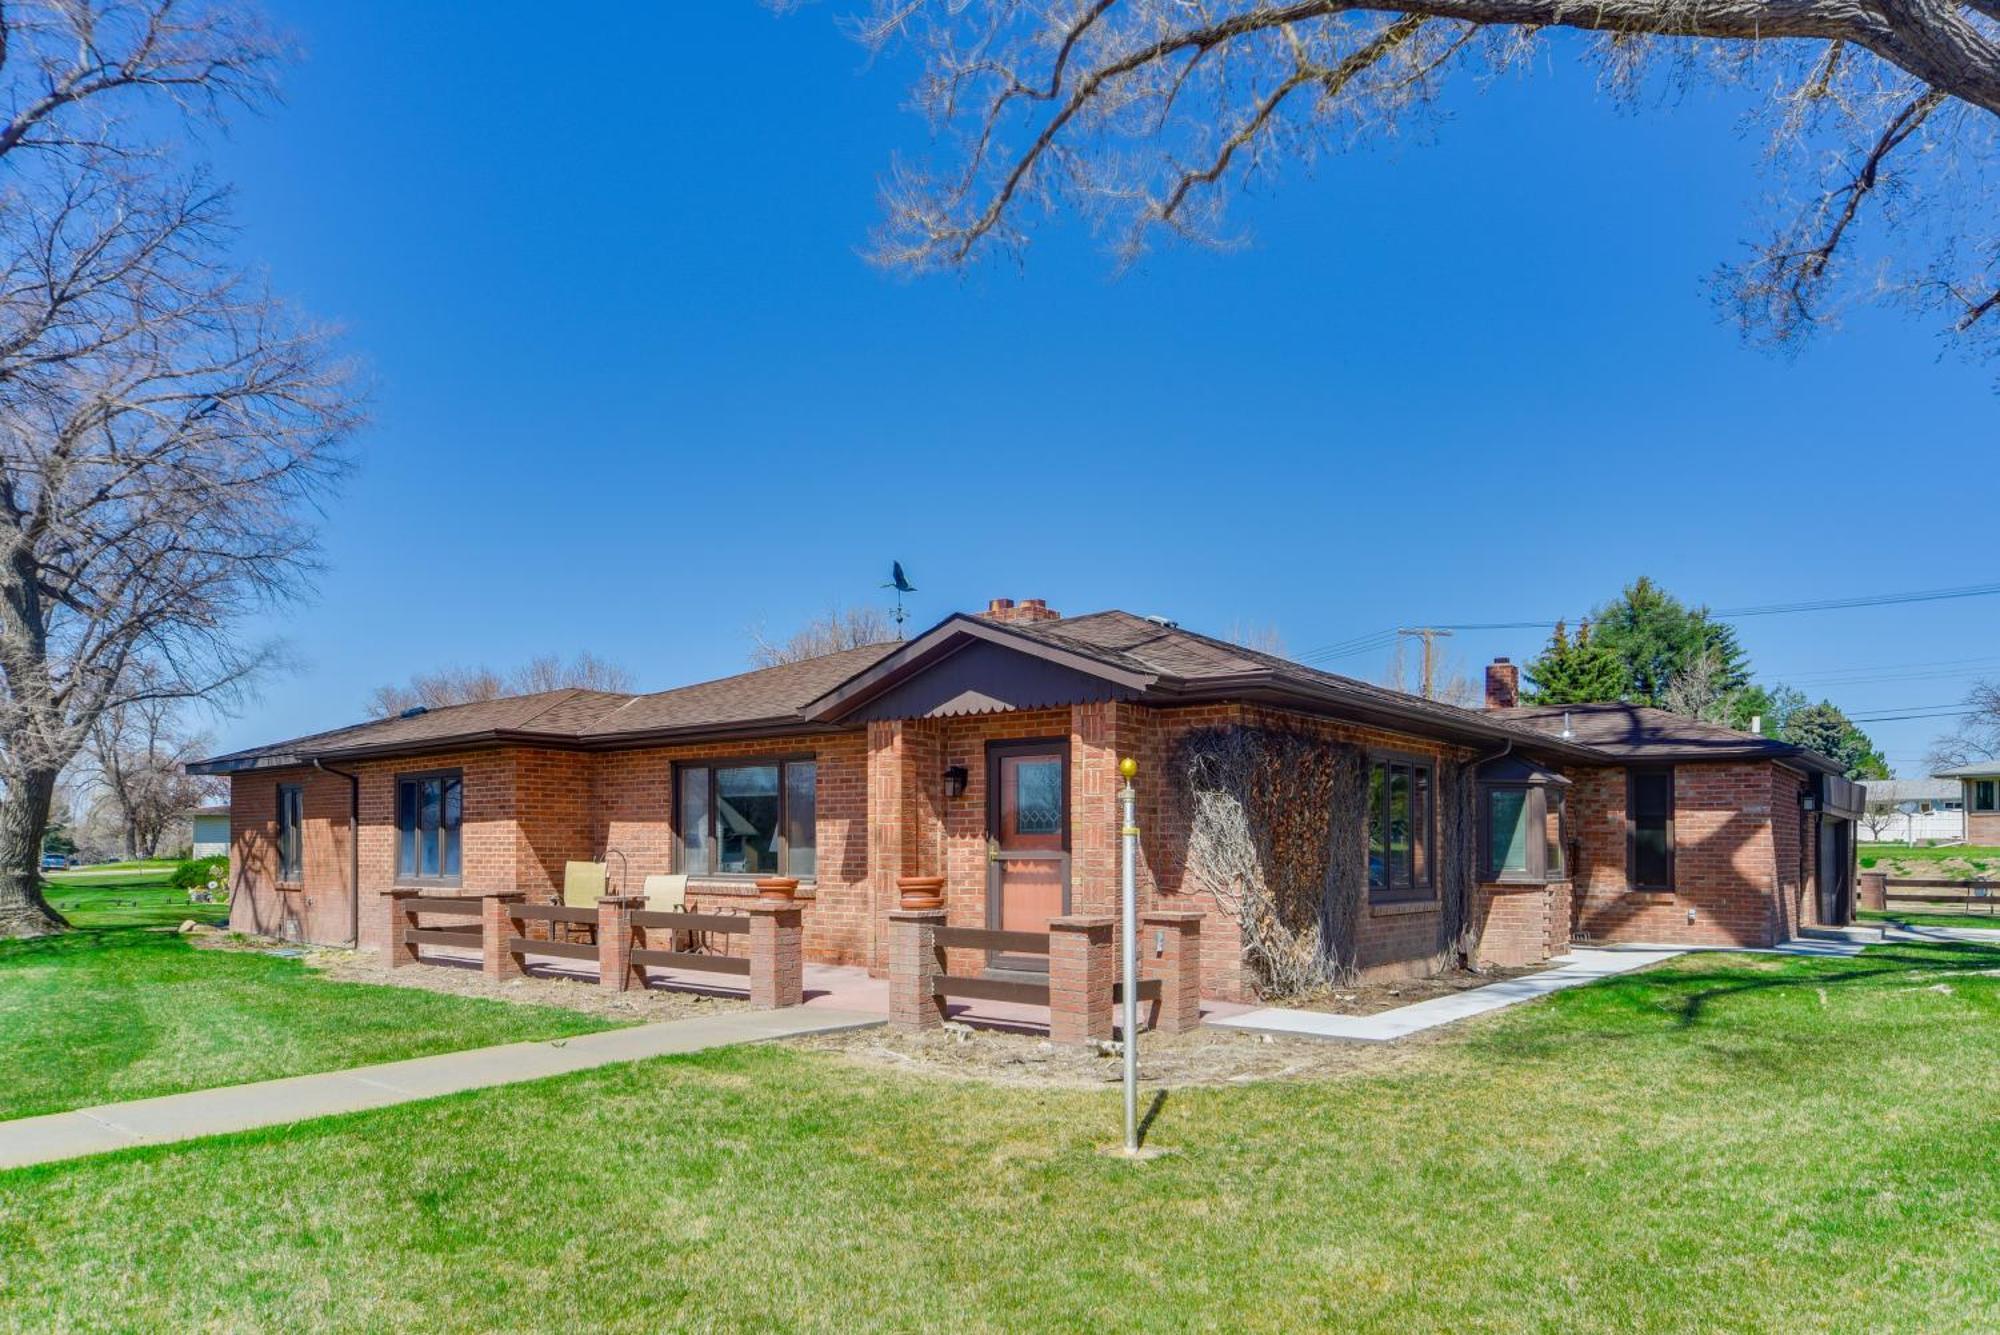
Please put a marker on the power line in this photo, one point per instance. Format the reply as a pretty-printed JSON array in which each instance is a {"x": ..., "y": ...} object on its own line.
[{"x": 1381, "y": 639}]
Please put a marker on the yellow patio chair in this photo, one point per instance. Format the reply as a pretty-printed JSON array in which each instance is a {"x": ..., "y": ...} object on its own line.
[
  {"x": 584, "y": 883},
  {"x": 669, "y": 894}
]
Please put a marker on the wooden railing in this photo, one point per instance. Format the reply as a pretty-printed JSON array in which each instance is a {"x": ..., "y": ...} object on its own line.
[
  {"x": 1969, "y": 893},
  {"x": 1028, "y": 993},
  {"x": 646, "y": 921},
  {"x": 464, "y": 937},
  {"x": 553, "y": 914}
]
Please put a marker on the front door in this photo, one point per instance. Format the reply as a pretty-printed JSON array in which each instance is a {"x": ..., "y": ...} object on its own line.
[{"x": 1027, "y": 841}]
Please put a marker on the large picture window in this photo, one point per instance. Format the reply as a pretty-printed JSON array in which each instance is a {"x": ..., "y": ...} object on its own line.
[
  {"x": 291, "y": 833},
  {"x": 748, "y": 819},
  {"x": 1986, "y": 794},
  {"x": 1649, "y": 829},
  {"x": 430, "y": 808},
  {"x": 1401, "y": 830}
]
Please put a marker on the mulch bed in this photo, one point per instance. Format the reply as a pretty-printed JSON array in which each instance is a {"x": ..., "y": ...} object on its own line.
[
  {"x": 1172, "y": 1061},
  {"x": 1373, "y": 998}
]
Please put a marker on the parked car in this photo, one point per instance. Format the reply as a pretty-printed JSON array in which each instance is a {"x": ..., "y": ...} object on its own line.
[{"x": 56, "y": 862}]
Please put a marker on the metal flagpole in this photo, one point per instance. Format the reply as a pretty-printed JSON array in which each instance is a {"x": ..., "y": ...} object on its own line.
[{"x": 1130, "y": 767}]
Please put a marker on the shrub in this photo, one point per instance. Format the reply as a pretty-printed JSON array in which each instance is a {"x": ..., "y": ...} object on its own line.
[
  {"x": 1868, "y": 861},
  {"x": 198, "y": 872}
]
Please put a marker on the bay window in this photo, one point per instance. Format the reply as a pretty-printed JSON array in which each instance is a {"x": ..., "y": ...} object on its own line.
[
  {"x": 747, "y": 819},
  {"x": 1521, "y": 829}
]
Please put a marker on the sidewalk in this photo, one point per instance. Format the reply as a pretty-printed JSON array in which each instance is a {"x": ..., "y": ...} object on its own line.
[
  {"x": 1573, "y": 970},
  {"x": 208, "y": 1112}
]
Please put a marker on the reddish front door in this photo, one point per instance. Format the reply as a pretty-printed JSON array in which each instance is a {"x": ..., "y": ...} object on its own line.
[{"x": 1027, "y": 826}]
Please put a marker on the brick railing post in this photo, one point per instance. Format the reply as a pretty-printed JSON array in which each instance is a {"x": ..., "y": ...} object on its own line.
[
  {"x": 614, "y": 942},
  {"x": 1081, "y": 973},
  {"x": 1170, "y": 950},
  {"x": 497, "y": 923},
  {"x": 1875, "y": 891},
  {"x": 777, "y": 955},
  {"x": 398, "y": 951},
  {"x": 914, "y": 964}
]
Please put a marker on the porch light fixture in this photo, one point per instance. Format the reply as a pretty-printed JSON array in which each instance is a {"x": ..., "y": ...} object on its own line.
[
  {"x": 1807, "y": 802},
  {"x": 955, "y": 779}
]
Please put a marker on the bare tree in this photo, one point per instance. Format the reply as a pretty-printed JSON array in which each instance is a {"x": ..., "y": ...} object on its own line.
[
  {"x": 831, "y": 631},
  {"x": 461, "y": 686},
  {"x": 1700, "y": 690},
  {"x": 167, "y": 429},
  {"x": 138, "y": 754},
  {"x": 1264, "y": 637},
  {"x": 1977, "y": 738},
  {"x": 1142, "y": 113}
]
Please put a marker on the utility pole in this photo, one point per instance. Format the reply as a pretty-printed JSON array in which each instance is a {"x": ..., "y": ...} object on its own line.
[{"x": 1429, "y": 635}]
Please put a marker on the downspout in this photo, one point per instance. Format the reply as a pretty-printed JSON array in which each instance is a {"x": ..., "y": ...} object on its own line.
[
  {"x": 353, "y": 849},
  {"x": 1462, "y": 945}
]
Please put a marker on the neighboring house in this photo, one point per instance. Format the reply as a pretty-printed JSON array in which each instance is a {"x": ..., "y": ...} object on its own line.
[
  {"x": 1979, "y": 789},
  {"x": 210, "y": 827},
  {"x": 985, "y": 750},
  {"x": 1909, "y": 810}
]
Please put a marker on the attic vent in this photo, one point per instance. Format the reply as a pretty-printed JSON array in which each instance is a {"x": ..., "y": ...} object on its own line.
[
  {"x": 1168, "y": 622},
  {"x": 414, "y": 710}
]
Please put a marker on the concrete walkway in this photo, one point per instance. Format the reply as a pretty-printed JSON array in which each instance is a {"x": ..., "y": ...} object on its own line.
[
  {"x": 1572, "y": 970},
  {"x": 208, "y": 1112}
]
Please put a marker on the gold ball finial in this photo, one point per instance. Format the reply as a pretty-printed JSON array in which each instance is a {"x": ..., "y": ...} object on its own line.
[{"x": 1128, "y": 767}]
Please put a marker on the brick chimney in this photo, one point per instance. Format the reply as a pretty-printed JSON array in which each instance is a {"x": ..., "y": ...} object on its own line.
[
  {"x": 1028, "y": 609},
  {"x": 1503, "y": 684}
]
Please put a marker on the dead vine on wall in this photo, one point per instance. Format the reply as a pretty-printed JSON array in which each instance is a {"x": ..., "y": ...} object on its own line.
[{"x": 1275, "y": 835}]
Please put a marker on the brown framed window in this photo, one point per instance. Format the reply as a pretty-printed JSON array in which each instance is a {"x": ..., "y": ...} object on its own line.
[
  {"x": 1521, "y": 832},
  {"x": 291, "y": 832},
  {"x": 430, "y": 811},
  {"x": 1402, "y": 829},
  {"x": 747, "y": 818},
  {"x": 1649, "y": 829}
]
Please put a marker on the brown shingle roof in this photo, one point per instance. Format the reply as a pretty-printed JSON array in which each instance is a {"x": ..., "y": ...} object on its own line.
[
  {"x": 1157, "y": 662},
  {"x": 766, "y": 695},
  {"x": 1640, "y": 732}
]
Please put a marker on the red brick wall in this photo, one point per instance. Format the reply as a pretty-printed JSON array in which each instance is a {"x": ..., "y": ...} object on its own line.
[
  {"x": 1726, "y": 864},
  {"x": 317, "y": 907},
  {"x": 1982, "y": 827},
  {"x": 631, "y": 810}
]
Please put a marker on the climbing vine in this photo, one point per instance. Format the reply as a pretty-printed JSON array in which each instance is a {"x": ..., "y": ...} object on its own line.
[
  {"x": 1275, "y": 829},
  {"x": 1277, "y": 836}
]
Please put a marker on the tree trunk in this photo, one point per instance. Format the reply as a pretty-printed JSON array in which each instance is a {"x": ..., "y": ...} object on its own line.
[{"x": 24, "y": 819}]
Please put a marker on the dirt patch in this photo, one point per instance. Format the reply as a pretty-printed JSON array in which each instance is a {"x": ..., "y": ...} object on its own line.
[
  {"x": 1172, "y": 1061},
  {"x": 570, "y": 992},
  {"x": 1373, "y": 998}
]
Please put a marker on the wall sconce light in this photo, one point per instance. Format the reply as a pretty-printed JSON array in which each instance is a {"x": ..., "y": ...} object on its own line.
[
  {"x": 955, "y": 779},
  {"x": 1807, "y": 802}
]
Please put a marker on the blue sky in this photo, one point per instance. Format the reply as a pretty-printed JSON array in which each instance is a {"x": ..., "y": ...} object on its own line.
[{"x": 636, "y": 391}]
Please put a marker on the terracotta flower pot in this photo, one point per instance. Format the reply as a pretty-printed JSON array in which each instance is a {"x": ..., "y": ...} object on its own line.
[
  {"x": 921, "y": 892},
  {"x": 777, "y": 887}
]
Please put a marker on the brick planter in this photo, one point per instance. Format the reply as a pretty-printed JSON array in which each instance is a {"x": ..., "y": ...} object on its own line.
[
  {"x": 1875, "y": 890},
  {"x": 777, "y": 959},
  {"x": 915, "y": 961},
  {"x": 1170, "y": 951},
  {"x": 1081, "y": 973}
]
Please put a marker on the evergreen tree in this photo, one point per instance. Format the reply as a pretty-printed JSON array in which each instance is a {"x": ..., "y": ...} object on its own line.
[
  {"x": 1658, "y": 637},
  {"x": 1831, "y": 733},
  {"x": 1578, "y": 671}
]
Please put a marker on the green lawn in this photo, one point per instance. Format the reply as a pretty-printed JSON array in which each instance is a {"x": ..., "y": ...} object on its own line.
[
  {"x": 126, "y": 894},
  {"x": 124, "y": 1013},
  {"x": 1722, "y": 1143},
  {"x": 1920, "y": 859}
]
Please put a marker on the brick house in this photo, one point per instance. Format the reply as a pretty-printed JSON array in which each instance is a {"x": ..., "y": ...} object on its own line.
[
  {"x": 985, "y": 751},
  {"x": 1980, "y": 788}
]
